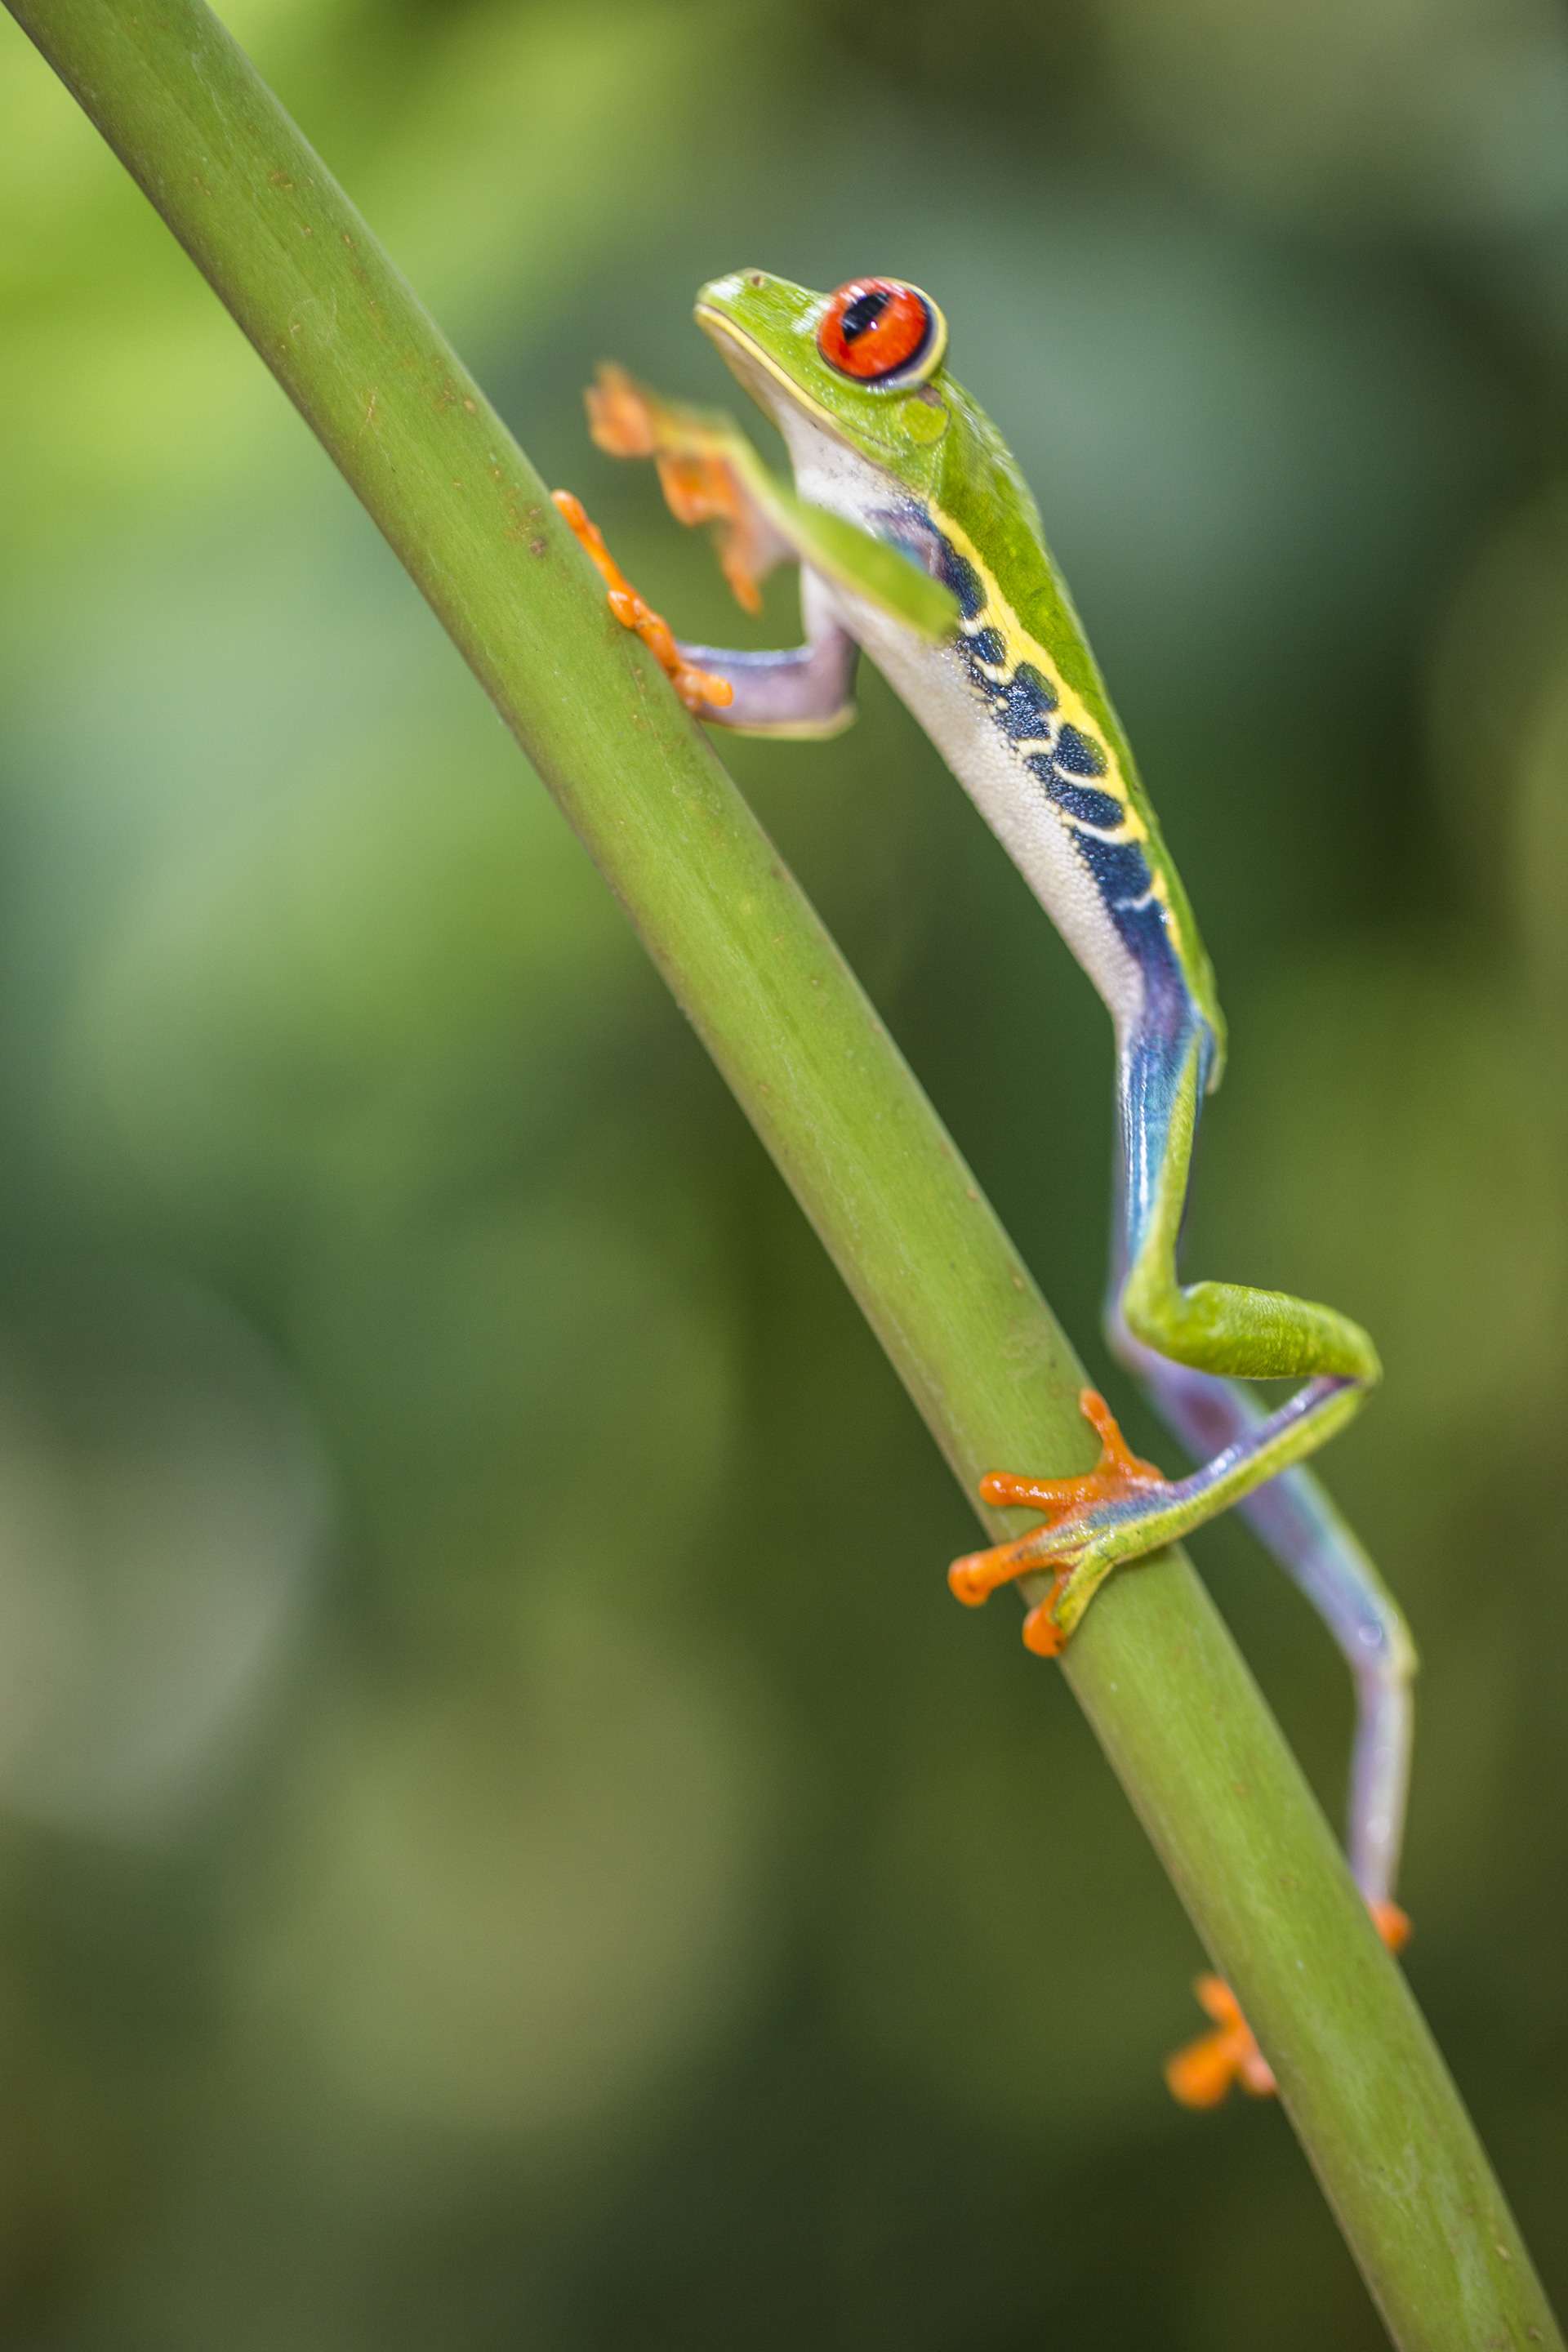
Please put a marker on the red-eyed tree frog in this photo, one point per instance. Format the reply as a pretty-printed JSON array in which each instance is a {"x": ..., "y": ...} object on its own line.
[{"x": 919, "y": 544}]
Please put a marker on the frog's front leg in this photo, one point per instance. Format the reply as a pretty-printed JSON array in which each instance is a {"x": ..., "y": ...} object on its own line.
[
  {"x": 711, "y": 474},
  {"x": 803, "y": 691}
]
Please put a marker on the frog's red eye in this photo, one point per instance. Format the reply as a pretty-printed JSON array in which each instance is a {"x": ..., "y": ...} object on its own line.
[{"x": 875, "y": 328}]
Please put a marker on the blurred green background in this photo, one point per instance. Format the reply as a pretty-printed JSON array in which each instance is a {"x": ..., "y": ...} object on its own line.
[{"x": 506, "y": 1838}]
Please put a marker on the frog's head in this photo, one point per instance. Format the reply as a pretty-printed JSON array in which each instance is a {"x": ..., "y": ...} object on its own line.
[{"x": 857, "y": 363}]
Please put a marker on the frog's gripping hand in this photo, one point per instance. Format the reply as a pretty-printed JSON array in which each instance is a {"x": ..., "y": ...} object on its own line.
[
  {"x": 711, "y": 474},
  {"x": 700, "y": 457},
  {"x": 698, "y": 689}
]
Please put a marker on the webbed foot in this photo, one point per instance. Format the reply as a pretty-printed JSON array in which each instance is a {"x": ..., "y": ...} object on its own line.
[
  {"x": 1081, "y": 1515},
  {"x": 697, "y": 473},
  {"x": 697, "y": 688}
]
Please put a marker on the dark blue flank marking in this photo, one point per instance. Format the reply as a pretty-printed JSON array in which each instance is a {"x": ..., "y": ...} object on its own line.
[
  {"x": 1167, "y": 999},
  {"x": 1077, "y": 753},
  {"x": 1079, "y": 801},
  {"x": 958, "y": 574},
  {"x": 1120, "y": 867},
  {"x": 1024, "y": 704},
  {"x": 1021, "y": 706}
]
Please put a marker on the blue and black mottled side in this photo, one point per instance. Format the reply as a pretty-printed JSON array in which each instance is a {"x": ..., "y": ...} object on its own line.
[{"x": 1072, "y": 770}]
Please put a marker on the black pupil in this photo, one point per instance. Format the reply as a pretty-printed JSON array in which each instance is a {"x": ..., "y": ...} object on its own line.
[{"x": 863, "y": 313}]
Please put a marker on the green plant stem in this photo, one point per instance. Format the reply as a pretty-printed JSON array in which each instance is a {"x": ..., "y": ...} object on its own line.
[{"x": 1170, "y": 1701}]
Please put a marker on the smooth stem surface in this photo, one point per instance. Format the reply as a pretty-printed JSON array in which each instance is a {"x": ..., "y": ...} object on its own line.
[{"x": 1173, "y": 1706}]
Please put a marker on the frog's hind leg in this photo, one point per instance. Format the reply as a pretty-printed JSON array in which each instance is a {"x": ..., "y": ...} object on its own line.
[
  {"x": 1218, "y": 1421},
  {"x": 1211, "y": 1326},
  {"x": 1183, "y": 1341},
  {"x": 1219, "y": 1424},
  {"x": 1295, "y": 1519}
]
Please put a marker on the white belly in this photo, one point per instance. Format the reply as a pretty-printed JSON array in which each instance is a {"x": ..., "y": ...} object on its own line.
[{"x": 933, "y": 682}]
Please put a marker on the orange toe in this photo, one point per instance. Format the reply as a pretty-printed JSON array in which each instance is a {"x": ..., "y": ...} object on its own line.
[
  {"x": 1117, "y": 1472},
  {"x": 699, "y": 481},
  {"x": 1202, "y": 2072},
  {"x": 700, "y": 487},
  {"x": 695, "y": 687},
  {"x": 621, "y": 418},
  {"x": 1392, "y": 1925},
  {"x": 979, "y": 1574},
  {"x": 968, "y": 1580},
  {"x": 1042, "y": 1635},
  {"x": 1117, "y": 1461}
]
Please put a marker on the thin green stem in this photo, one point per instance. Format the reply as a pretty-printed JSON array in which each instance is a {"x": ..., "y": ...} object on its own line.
[{"x": 1173, "y": 1706}]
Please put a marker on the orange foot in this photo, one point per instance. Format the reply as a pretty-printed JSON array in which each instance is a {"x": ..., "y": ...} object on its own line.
[
  {"x": 695, "y": 687},
  {"x": 696, "y": 473},
  {"x": 1118, "y": 1474},
  {"x": 1201, "y": 2074}
]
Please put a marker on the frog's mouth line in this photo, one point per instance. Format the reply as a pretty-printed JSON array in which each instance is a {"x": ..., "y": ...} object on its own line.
[{"x": 743, "y": 355}]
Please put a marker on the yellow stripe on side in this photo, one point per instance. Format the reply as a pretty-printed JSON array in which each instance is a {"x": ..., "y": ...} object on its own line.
[{"x": 998, "y": 614}]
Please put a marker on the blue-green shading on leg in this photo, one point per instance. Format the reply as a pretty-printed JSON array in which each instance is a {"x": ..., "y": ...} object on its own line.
[
  {"x": 1295, "y": 1519},
  {"x": 1187, "y": 1343}
]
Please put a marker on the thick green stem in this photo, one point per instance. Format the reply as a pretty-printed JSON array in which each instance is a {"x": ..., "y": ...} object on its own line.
[{"x": 1173, "y": 1706}]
